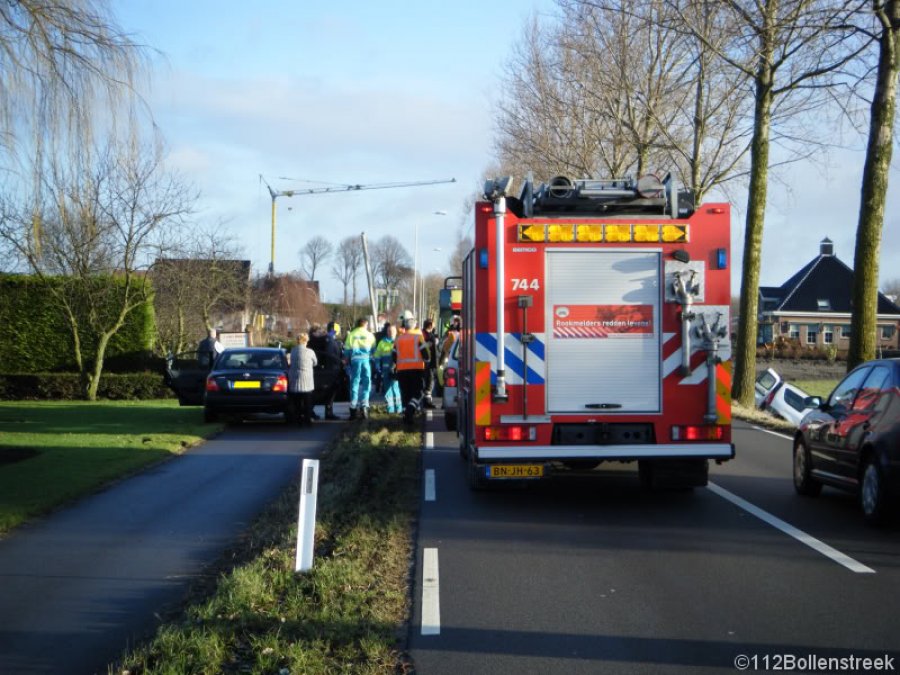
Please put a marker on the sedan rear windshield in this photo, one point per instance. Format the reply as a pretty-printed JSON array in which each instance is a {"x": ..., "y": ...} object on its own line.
[{"x": 241, "y": 360}]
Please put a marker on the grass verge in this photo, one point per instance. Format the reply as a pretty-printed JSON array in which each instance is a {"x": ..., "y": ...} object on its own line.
[
  {"x": 349, "y": 613},
  {"x": 54, "y": 451},
  {"x": 820, "y": 388},
  {"x": 761, "y": 418}
]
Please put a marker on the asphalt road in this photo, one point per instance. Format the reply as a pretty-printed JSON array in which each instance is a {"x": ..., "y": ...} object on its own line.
[
  {"x": 598, "y": 576},
  {"x": 78, "y": 587}
]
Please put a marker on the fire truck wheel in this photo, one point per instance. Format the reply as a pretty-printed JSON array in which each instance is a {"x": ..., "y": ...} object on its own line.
[
  {"x": 475, "y": 475},
  {"x": 804, "y": 483}
]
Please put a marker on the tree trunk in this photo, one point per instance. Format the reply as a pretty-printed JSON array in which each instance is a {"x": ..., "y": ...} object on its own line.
[
  {"x": 745, "y": 349},
  {"x": 864, "y": 320}
]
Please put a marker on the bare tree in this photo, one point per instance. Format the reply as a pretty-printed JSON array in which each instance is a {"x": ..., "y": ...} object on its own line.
[
  {"x": 347, "y": 262},
  {"x": 790, "y": 50},
  {"x": 863, "y": 322},
  {"x": 460, "y": 251},
  {"x": 203, "y": 276},
  {"x": 57, "y": 58},
  {"x": 316, "y": 251},
  {"x": 107, "y": 219},
  {"x": 391, "y": 263}
]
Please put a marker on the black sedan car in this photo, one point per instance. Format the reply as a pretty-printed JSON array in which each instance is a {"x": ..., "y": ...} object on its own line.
[
  {"x": 852, "y": 440},
  {"x": 247, "y": 380}
]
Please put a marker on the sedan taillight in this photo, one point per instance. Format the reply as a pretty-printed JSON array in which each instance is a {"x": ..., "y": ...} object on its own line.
[
  {"x": 211, "y": 384},
  {"x": 280, "y": 384}
]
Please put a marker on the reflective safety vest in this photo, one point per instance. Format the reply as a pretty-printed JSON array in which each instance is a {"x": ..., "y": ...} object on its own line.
[
  {"x": 359, "y": 344},
  {"x": 409, "y": 356}
]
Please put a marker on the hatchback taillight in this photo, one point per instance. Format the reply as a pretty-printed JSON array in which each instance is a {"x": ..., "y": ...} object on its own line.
[
  {"x": 450, "y": 377},
  {"x": 280, "y": 384},
  {"x": 211, "y": 384}
]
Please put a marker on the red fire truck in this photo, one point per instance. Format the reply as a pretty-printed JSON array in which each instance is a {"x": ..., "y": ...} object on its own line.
[{"x": 595, "y": 329}]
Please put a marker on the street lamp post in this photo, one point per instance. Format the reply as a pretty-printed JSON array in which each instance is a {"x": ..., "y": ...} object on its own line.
[{"x": 419, "y": 289}]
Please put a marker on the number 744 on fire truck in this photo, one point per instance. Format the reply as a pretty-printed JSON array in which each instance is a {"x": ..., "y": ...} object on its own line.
[{"x": 595, "y": 329}]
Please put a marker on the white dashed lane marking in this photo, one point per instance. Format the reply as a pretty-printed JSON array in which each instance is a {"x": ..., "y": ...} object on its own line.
[{"x": 429, "y": 485}]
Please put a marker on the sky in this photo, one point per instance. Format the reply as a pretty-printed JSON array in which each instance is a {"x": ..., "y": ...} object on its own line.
[{"x": 299, "y": 95}]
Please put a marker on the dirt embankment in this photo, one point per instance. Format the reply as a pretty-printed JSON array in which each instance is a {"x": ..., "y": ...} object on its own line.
[{"x": 803, "y": 369}]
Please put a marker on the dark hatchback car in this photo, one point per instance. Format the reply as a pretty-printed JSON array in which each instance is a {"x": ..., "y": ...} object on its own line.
[{"x": 852, "y": 440}]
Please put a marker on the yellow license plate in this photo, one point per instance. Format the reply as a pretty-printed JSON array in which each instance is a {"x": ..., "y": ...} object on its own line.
[
  {"x": 517, "y": 470},
  {"x": 247, "y": 385}
]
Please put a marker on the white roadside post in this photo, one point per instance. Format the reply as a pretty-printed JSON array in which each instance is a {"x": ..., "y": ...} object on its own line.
[{"x": 306, "y": 521}]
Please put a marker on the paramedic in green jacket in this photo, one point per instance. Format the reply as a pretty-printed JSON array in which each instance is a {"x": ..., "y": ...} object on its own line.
[
  {"x": 384, "y": 362},
  {"x": 358, "y": 347}
]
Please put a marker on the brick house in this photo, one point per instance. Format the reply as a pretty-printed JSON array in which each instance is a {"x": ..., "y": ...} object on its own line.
[{"x": 813, "y": 306}]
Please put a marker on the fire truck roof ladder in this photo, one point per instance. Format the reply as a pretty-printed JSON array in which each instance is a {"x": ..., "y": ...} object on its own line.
[{"x": 646, "y": 196}]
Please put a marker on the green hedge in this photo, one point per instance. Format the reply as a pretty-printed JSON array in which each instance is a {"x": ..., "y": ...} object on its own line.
[
  {"x": 68, "y": 386},
  {"x": 36, "y": 337}
]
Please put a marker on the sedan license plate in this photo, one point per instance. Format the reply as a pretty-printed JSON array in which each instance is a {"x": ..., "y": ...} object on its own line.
[
  {"x": 516, "y": 471},
  {"x": 247, "y": 384}
]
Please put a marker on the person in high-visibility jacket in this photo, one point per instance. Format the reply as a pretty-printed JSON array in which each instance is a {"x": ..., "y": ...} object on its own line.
[
  {"x": 384, "y": 364},
  {"x": 410, "y": 355},
  {"x": 358, "y": 347}
]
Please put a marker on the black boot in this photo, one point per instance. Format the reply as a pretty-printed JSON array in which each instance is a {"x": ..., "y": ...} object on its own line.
[
  {"x": 329, "y": 413},
  {"x": 352, "y": 413}
]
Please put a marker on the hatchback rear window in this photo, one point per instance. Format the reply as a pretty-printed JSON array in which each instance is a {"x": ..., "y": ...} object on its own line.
[{"x": 766, "y": 380}]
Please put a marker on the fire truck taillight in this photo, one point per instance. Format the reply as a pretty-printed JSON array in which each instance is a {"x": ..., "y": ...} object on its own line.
[
  {"x": 450, "y": 377},
  {"x": 698, "y": 433},
  {"x": 510, "y": 433},
  {"x": 211, "y": 384}
]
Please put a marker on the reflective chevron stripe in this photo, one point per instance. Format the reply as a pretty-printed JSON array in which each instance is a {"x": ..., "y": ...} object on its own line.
[{"x": 486, "y": 350}]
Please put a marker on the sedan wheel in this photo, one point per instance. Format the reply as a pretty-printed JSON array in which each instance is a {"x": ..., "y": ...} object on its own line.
[
  {"x": 804, "y": 483},
  {"x": 871, "y": 491}
]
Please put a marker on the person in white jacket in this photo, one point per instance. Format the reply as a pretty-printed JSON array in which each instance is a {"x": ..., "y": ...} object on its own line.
[{"x": 300, "y": 380}]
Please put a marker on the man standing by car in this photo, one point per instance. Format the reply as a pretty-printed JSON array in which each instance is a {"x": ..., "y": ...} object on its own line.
[
  {"x": 330, "y": 368},
  {"x": 358, "y": 349},
  {"x": 430, "y": 338},
  {"x": 209, "y": 349}
]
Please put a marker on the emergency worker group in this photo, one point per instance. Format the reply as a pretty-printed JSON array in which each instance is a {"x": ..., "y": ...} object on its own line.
[{"x": 398, "y": 362}]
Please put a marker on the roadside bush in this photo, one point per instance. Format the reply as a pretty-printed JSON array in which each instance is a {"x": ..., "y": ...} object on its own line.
[{"x": 69, "y": 387}]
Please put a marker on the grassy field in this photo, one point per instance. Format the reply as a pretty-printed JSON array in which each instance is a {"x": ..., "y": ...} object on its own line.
[
  {"x": 54, "y": 451},
  {"x": 821, "y": 388},
  {"x": 349, "y": 613}
]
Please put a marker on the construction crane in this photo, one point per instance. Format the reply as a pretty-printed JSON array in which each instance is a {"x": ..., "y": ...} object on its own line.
[{"x": 335, "y": 188}]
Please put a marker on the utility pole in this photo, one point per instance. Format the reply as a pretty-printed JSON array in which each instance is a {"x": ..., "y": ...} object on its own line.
[{"x": 334, "y": 188}]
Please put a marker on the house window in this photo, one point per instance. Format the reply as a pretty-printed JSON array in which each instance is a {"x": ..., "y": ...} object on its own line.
[
  {"x": 887, "y": 332},
  {"x": 812, "y": 333},
  {"x": 828, "y": 335},
  {"x": 794, "y": 332},
  {"x": 845, "y": 332},
  {"x": 824, "y": 304}
]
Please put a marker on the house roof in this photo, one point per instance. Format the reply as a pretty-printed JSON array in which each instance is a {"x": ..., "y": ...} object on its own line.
[{"x": 824, "y": 285}]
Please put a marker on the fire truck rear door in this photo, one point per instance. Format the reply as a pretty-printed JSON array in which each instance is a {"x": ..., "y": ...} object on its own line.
[{"x": 603, "y": 331}]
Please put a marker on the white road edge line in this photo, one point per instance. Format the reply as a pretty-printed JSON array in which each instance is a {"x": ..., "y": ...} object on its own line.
[
  {"x": 429, "y": 415},
  {"x": 429, "y": 440},
  {"x": 431, "y": 601},
  {"x": 429, "y": 485},
  {"x": 799, "y": 535}
]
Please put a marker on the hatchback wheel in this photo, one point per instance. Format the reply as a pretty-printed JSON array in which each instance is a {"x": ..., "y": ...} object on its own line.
[
  {"x": 209, "y": 415},
  {"x": 871, "y": 491},
  {"x": 804, "y": 483}
]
